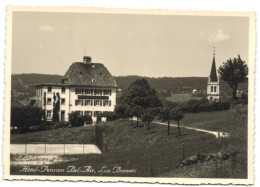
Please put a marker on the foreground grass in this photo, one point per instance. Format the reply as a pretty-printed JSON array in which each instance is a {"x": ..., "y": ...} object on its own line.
[
  {"x": 154, "y": 153},
  {"x": 76, "y": 135}
]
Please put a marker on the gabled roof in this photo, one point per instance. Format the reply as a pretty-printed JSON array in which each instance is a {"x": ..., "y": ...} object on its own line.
[
  {"x": 213, "y": 73},
  {"x": 89, "y": 74}
]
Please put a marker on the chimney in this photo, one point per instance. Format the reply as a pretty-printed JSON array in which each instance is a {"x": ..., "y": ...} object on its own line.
[{"x": 87, "y": 59}]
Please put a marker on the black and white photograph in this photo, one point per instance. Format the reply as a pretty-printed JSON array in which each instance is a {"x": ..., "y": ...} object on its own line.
[{"x": 129, "y": 95}]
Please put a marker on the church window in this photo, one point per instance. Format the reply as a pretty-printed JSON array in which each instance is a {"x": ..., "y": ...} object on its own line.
[
  {"x": 215, "y": 89},
  {"x": 211, "y": 88}
]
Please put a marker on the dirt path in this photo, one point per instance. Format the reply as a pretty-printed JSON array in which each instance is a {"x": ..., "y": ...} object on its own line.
[{"x": 217, "y": 134}]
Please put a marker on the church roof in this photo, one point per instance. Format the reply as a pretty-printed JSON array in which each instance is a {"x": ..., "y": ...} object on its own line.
[
  {"x": 213, "y": 73},
  {"x": 89, "y": 74}
]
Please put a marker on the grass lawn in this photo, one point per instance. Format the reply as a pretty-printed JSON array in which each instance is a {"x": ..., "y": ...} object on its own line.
[
  {"x": 181, "y": 97},
  {"x": 154, "y": 153},
  {"x": 77, "y": 135}
]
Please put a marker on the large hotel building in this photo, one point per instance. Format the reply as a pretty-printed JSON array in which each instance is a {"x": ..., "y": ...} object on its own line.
[{"x": 86, "y": 87}]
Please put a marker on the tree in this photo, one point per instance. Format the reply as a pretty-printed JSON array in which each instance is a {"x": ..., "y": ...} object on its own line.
[
  {"x": 24, "y": 118},
  {"x": 140, "y": 94},
  {"x": 148, "y": 117},
  {"x": 44, "y": 104},
  {"x": 121, "y": 110},
  {"x": 165, "y": 115},
  {"x": 56, "y": 107},
  {"x": 234, "y": 72},
  {"x": 136, "y": 111},
  {"x": 177, "y": 115}
]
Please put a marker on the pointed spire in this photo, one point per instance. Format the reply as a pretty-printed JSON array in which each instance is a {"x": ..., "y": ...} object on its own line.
[{"x": 213, "y": 73}]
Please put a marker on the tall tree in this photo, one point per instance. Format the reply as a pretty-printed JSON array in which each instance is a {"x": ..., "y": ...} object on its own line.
[
  {"x": 234, "y": 72},
  {"x": 177, "y": 115},
  {"x": 44, "y": 104},
  {"x": 140, "y": 94},
  {"x": 56, "y": 107}
]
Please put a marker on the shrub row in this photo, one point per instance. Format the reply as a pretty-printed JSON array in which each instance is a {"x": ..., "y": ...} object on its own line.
[{"x": 195, "y": 106}]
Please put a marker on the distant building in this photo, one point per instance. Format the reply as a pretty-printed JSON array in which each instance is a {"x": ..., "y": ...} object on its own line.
[
  {"x": 86, "y": 87},
  {"x": 194, "y": 91},
  {"x": 213, "y": 83}
]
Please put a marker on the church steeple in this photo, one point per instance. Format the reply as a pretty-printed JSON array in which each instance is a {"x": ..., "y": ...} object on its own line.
[
  {"x": 213, "y": 82},
  {"x": 213, "y": 73}
]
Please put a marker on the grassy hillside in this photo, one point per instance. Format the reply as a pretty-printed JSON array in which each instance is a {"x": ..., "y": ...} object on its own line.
[{"x": 154, "y": 153}]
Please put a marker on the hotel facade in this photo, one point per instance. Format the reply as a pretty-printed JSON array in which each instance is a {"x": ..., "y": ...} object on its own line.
[{"x": 86, "y": 87}]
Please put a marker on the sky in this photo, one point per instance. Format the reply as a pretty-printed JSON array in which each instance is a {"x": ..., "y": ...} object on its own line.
[{"x": 144, "y": 45}]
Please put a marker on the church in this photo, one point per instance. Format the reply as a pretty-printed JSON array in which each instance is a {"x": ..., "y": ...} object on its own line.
[
  {"x": 86, "y": 87},
  {"x": 213, "y": 82}
]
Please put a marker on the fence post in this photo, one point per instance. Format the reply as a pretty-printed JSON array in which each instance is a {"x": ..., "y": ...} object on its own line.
[
  {"x": 25, "y": 148},
  {"x": 64, "y": 143},
  {"x": 183, "y": 156},
  {"x": 45, "y": 143},
  {"x": 83, "y": 145}
]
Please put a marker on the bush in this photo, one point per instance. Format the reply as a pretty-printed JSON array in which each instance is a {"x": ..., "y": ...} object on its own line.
[
  {"x": 75, "y": 119},
  {"x": 87, "y": 119},
  {"x": 111, "y": 116},
  {"x": 195, "y": 106},
  {"x": 61, "y": 124},
  {"x": 24, "y": 118}
]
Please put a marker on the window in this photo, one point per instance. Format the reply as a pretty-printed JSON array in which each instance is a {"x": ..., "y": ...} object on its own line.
[
  {"x": 87, "y": 113},
  {"x": 48, "y": 101},
  {"x": 48, "y": 116},
  {"x": 78, "y": 102},
  {"x": 97, "y": 92},
  {"x": 97, "y": 102},
  {"x": 87, "y": 102},
  {"x": 215, "y": 89},
  {"x": 63, "y": 101},
  {"x": 107, "y": 92},
  {"x": 88, "y": 92},
  {"x": 78, "y": 91},
  {"x": 211, "y": 88},
  {"x": 63, "y": 90},
  {"x": 96, "y": 113},
  {"x": 80, "y": 112},
  {"x": 62, "y": 115},
  {"x": 49, "y": 89},
  {"x": 106, "y": 103}
]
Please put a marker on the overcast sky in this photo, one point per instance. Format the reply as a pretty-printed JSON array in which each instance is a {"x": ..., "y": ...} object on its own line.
[{"x": 145, "y": 45}]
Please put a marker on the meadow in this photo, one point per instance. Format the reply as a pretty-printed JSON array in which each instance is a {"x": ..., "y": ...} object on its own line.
[{"x": 154, "y": 153}]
